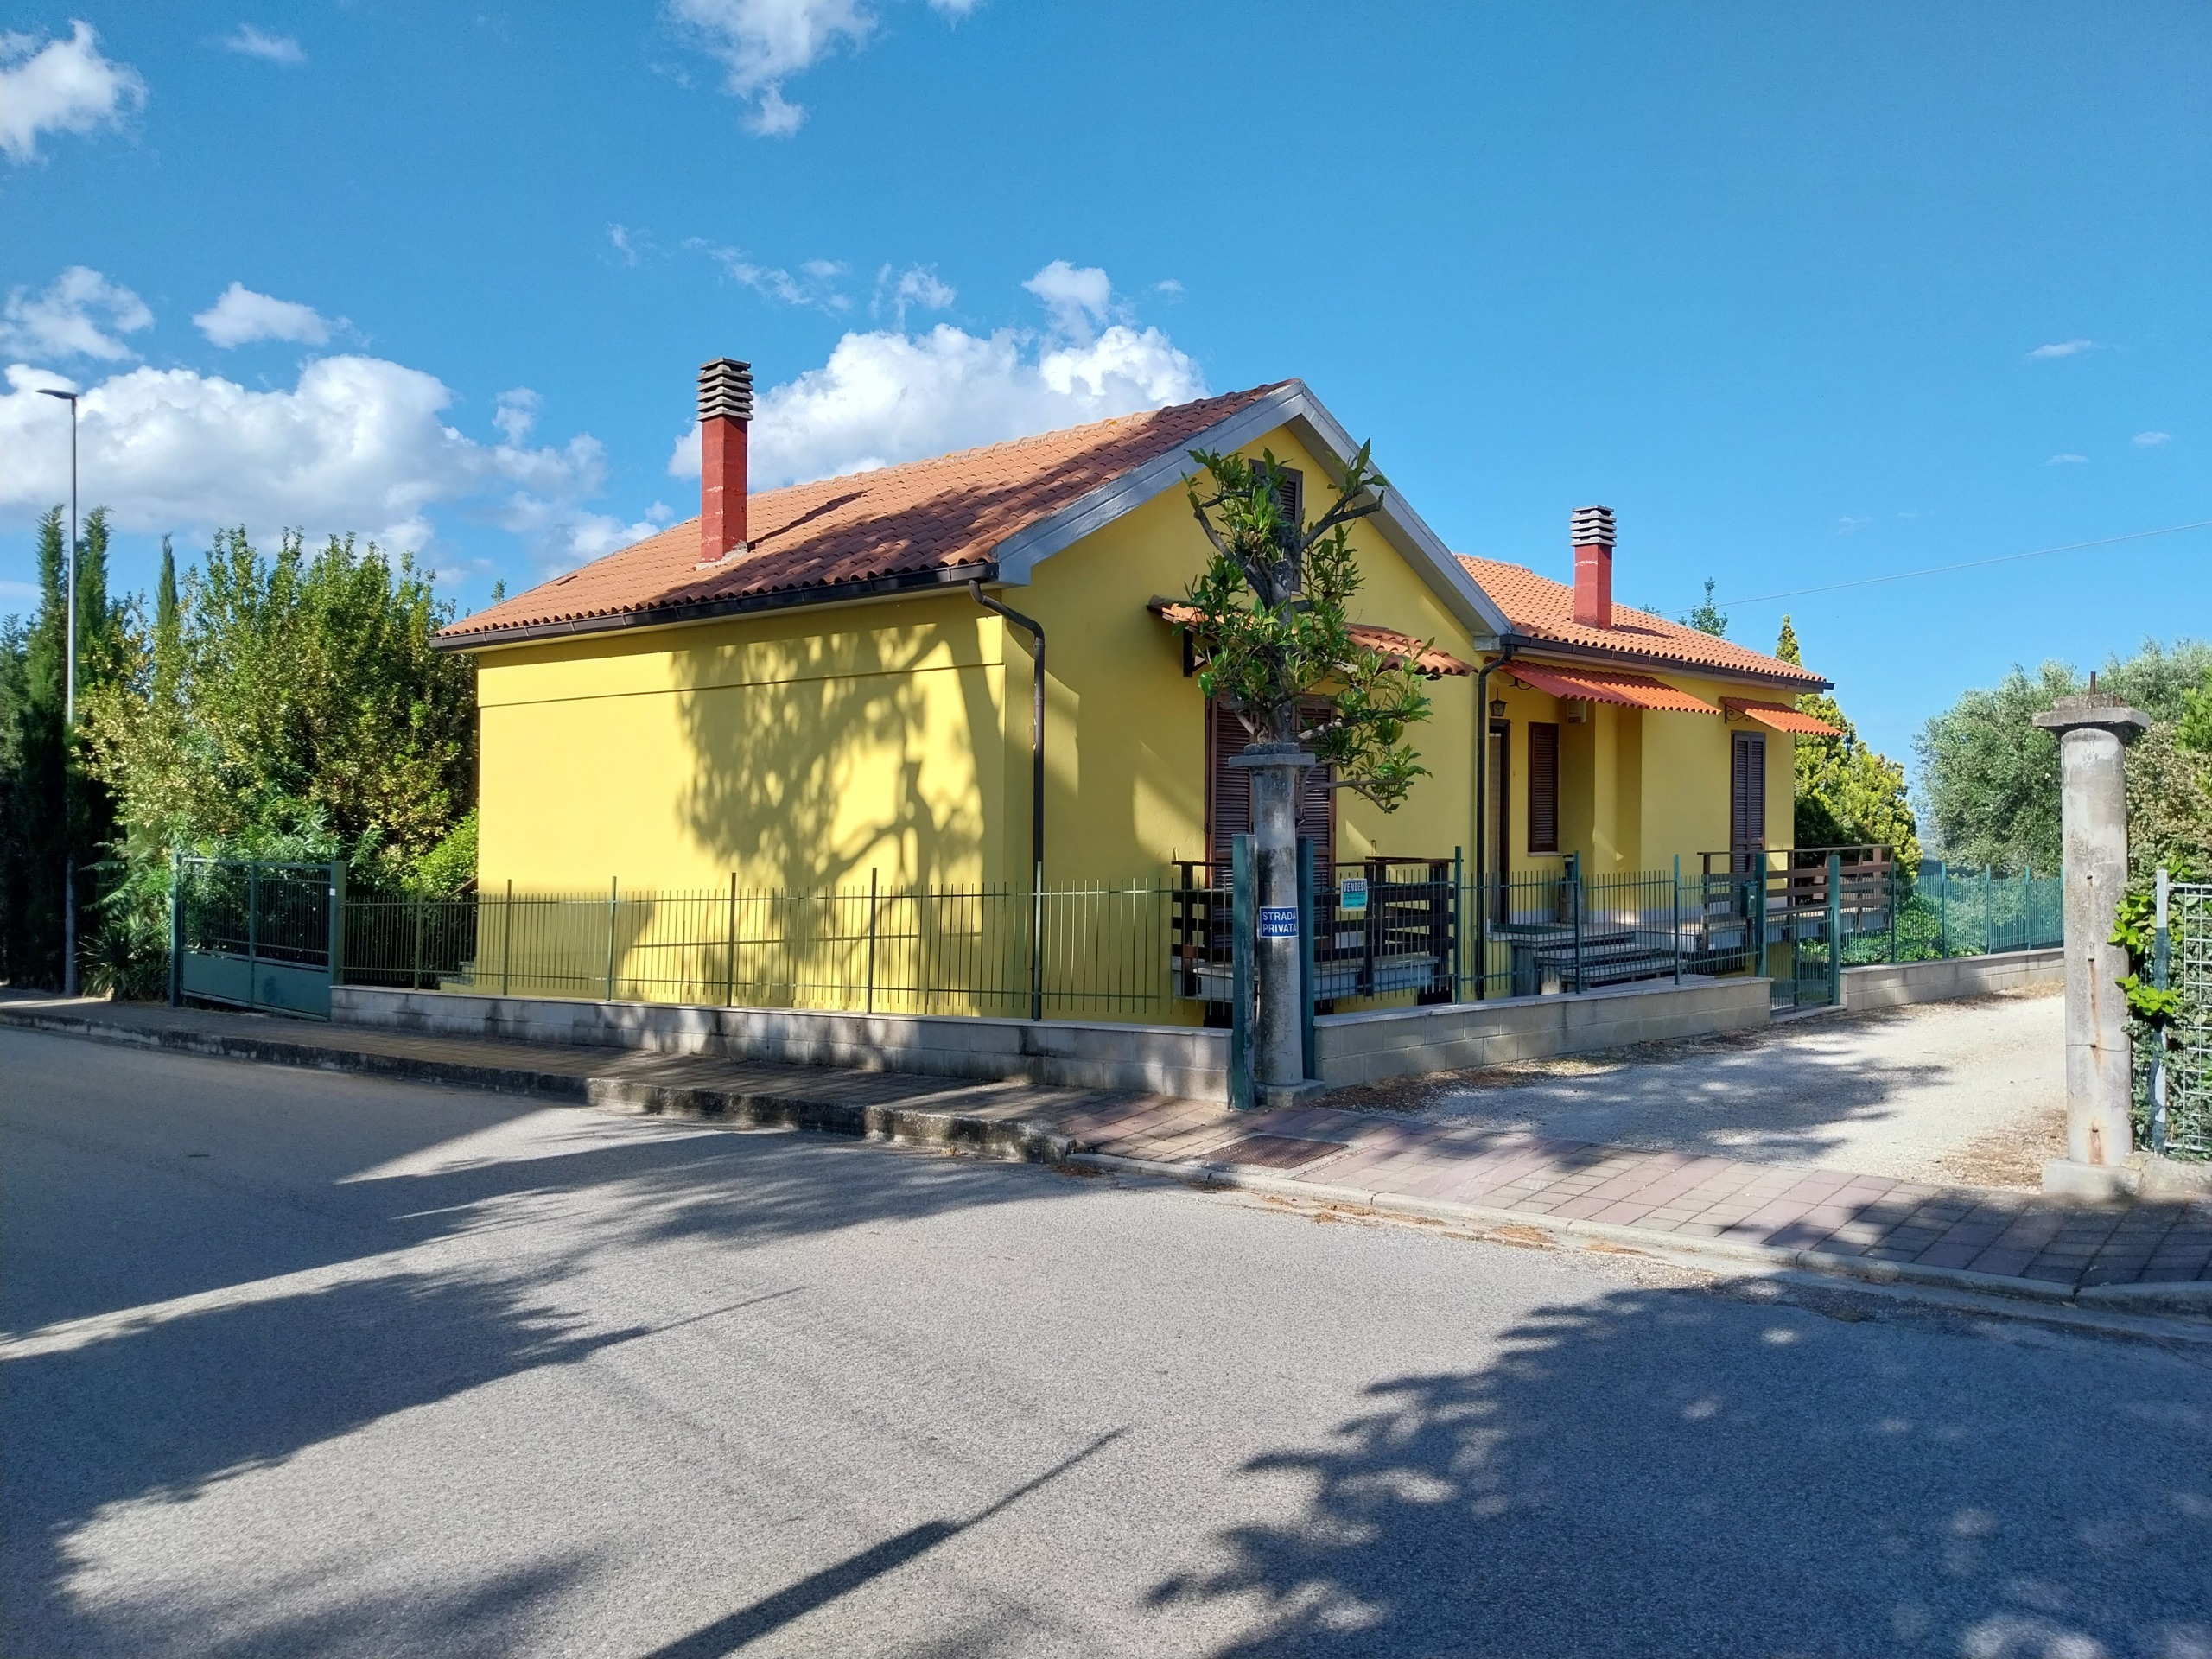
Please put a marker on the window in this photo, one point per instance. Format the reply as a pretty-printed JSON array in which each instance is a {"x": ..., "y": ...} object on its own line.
[
  {"x": 1292, "y": 496},
  {"x": 1543, "y": 787},
  {"x": 1228, "y": 795},
  {"x": 1747, "y": 794}
]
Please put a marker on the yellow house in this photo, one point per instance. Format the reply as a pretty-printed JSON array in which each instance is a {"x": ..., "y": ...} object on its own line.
[{"x": 822, "y": 687}]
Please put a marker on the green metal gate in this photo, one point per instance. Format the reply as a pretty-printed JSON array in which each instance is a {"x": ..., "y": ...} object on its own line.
[{"x": 252, "y": 934}]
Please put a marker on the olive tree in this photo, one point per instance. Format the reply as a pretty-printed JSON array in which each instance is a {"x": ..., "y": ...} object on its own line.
[{"x": 1272, "y": 625}]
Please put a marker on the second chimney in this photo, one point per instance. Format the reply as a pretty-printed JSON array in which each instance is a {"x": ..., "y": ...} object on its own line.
[
  {"x": 725, "y": 413},
  {"x": 1592, "y": 531}
]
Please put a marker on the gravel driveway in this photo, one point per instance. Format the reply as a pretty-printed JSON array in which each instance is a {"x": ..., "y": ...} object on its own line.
[{"x": 1971, "y": 1091}]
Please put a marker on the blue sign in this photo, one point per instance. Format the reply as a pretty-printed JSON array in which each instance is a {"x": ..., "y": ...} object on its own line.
[
  {"x": 1279, "y": 921},
  {"x": 1352, "y": 894}
]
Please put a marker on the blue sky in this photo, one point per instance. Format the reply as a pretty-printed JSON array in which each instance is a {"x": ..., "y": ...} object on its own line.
[{"x": 1807, "y": 294}]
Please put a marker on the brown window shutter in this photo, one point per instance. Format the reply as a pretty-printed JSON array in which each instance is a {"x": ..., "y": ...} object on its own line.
[
  {"x": 1747, "y": 794},
  {"x": 1543, "y": 787},
  {"x": 1292, "y": 496},
  {"x": 1229, "y": 794}
]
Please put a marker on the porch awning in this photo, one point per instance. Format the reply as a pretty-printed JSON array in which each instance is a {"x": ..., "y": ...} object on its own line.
[
  {"x": 1608, "y": 685},
  {"x": 1780, "y": 716},
  {"x": 1387, "y": 642}
]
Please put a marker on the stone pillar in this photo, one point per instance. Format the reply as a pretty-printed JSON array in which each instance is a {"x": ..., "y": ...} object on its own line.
[
  {"x": 2098, "y": 1134},
  {"x": 1278, "y": 1037}
]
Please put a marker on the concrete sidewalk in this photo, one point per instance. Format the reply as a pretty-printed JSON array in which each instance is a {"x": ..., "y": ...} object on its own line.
[{"x": 2143, "y": 1256}]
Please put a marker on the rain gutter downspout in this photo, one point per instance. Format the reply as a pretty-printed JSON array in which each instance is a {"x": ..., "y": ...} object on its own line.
[
  {"x": 1036, "y": 632},
  {"x": 1482, "y": 812}
]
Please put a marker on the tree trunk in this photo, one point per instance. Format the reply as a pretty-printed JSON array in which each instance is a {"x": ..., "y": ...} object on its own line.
[{"x": 1279, "y": 1058}]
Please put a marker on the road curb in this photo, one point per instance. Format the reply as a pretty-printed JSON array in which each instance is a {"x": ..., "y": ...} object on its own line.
[
  {"x": 2193, "y": 1298},
  {"x": 1013, "y": 1140}
]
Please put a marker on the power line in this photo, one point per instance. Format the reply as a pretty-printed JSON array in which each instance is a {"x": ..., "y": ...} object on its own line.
[{"x": 1970, "y": 564}]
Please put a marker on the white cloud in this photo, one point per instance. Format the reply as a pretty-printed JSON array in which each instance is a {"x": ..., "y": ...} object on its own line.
[
  {"x": 241, "y": 316},
  {"x": 1076, "y": 295},
  {"x": 61, "y": 86},
  {"x": 814, "y": 286},
  {"x": 252, "y": 43},
  {"x": 65, "y": 320},
  {"x": 1846, "y": 526},
  {"x": 2067, "y": 460},
  {"x": 2151, "y": 439},
  {"x": 2063, "y": 348},
  {"x": 917, "y": 286},
  {"x": 886, "y": 396},
  {"x": 1168, "y": 285},
  {"x": 357, "y": 444},
  {"x": 516, "y": 414},
  {"x": 619, "y": 236},
  {"x": 763, "y": 43}
]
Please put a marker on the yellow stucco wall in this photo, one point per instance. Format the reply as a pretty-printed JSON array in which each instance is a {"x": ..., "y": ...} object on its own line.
[
  {"x": 1638, "y": 787},
  {"x": 799, "y": 749}
]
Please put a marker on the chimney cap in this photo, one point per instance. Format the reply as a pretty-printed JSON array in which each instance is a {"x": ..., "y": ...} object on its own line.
[
  {"x": 726, "y": 390},
  {"x": 1591, "y": 527}
]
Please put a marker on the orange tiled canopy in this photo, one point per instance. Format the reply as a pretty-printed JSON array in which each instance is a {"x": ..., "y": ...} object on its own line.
[
  {"x": 1781, "y": 717},
  {"x": 1608, "y": 685}
]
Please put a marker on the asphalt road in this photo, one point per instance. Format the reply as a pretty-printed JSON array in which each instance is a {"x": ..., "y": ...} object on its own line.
[{"x": 298, "y": 1364}]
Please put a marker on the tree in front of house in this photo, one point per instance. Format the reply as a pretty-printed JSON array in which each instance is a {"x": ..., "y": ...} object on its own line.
[
  {"x": 1849, "y": 794},
  {"x": 1274, "y": 625}
]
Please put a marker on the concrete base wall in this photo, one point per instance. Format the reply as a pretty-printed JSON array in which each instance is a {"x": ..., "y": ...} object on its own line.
[
  {"x": 1892, "y": 985},
  {"x": 1180, "y": 1060},
  {"x": 1460, "y": 1036}
]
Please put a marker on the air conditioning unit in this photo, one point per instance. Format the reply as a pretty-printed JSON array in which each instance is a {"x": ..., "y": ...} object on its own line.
[{"x": 1575, "y": 710}]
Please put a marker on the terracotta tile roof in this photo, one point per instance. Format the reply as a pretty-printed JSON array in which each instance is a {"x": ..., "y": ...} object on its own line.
[
  {"x": 1608, "y": 685},
  {"x": 919, "y": 516},
  {"x": 1780, "y": 716},
  {"x": 1544, "y": 610},
  {"x": 1399, "y": 647}
]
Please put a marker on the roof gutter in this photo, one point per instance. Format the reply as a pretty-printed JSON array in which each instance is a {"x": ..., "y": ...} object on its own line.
[
  {"x": 782, "y": 599},
  {"x": 1515, "y": 643}
]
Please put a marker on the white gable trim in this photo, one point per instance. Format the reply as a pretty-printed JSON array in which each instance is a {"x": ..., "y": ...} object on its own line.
[{"x": 1290, "y": 405}]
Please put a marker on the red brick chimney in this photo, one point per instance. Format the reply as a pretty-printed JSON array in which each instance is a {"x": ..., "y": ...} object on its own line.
[
  {"x": 1592, "y": 531},
  {"x": 725, "y": 413}
]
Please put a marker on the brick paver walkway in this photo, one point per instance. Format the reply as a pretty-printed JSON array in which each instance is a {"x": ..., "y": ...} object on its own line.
[{"x": 1674, "y": 1196}]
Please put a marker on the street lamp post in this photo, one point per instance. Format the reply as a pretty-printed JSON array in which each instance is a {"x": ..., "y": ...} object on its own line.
[{"x": 69, "y": 712}]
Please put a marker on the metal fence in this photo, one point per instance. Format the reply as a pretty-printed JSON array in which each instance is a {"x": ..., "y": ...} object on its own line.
[
  {"x": 1961, "y": 911},
  {"x": 2180, "y": 1123},
  {"x": 1385, "y": 931},
  {"x": 1100, "y": 949}
]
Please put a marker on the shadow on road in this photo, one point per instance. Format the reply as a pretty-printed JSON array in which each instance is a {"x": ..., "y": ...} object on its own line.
[
  {"x": 195, "y": 1292},
  {"x": 1665, "y": 1472},
  {"x": 739, "y": 1629}
]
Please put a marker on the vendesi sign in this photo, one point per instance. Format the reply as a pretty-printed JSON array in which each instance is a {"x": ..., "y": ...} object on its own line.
[
  {"x": 1352, "y": 894},
  {"x": 1279, "y": 921}
]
